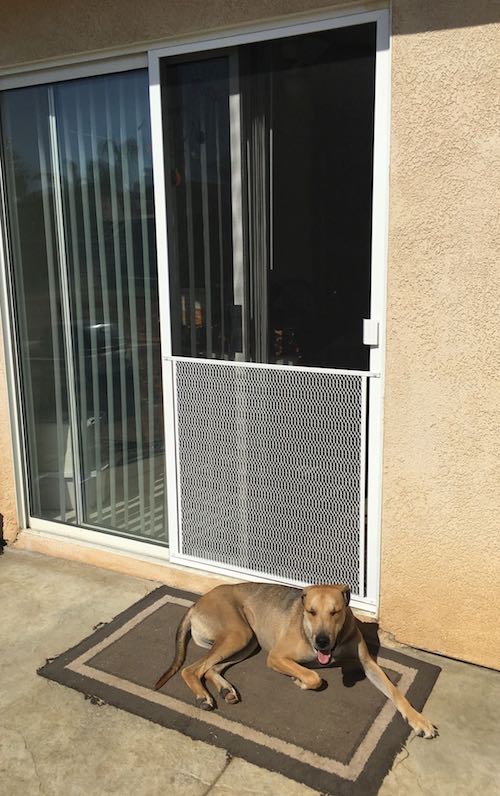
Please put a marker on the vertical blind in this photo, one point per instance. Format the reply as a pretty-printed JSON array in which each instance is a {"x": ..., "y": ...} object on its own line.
[
  {"x": 206, "y": 306},
  {"x": 81, "y": 222}
]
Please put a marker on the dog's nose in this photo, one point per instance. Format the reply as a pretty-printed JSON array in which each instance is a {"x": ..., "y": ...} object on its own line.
[{"x": 322, "y": 642}]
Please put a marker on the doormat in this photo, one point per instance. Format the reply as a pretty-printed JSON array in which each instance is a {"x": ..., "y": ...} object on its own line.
[{"x": 341, "y": 740}]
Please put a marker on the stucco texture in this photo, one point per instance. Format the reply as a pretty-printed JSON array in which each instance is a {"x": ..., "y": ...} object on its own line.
[
  {"x": 440, "y": 580},
  {"x": 57, "y": 28},
  {"x": 440, "y": 576},
  {"x": 8, "y": 510}
]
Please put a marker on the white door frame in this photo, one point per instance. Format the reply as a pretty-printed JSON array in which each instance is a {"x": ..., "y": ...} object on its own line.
[{"x": 380, "y": 209}]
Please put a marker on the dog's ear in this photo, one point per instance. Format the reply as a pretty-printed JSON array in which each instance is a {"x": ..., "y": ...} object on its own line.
[
  {"x": 346, "y": 591},
  {"x": 304, "y": 592}
]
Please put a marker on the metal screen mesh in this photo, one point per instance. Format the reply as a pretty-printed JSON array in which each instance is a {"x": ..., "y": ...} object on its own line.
[{"x": 270, "y": 470}]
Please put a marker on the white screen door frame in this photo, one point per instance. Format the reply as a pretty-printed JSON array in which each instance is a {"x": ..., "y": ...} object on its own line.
[{"x": 370, "y": 554}]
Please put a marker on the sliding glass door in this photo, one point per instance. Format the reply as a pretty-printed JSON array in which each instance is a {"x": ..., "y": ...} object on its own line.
[
  {"x": 78, "y": 169},
  {"x": 270, "y": 165}
]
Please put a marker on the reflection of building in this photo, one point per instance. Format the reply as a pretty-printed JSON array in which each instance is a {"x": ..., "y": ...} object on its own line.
[{"x": 231, "y": 198}]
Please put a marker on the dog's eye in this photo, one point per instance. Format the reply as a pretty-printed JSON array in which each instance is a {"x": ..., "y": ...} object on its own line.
[
  {"x": 332, "y": 613},
  {"x": 312, "y": 612}
]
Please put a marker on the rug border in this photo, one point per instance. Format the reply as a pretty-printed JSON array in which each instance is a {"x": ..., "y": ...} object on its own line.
[{"x": 367, "y": 783}]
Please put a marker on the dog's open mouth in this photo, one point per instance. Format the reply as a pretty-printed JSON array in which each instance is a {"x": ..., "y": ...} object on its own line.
[{"x": 323, "y": 657}]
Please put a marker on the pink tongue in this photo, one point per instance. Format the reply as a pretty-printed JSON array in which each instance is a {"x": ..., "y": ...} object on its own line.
[{"x": 323, "y": 657}]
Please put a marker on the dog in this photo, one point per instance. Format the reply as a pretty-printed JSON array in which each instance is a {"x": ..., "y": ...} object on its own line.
[{"x": 292, "y": 626}]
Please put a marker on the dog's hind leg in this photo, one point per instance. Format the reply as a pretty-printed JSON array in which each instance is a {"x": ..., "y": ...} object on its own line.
[
  {"x": 224, "y": 648},
  {"x": 223, "y": 686}
]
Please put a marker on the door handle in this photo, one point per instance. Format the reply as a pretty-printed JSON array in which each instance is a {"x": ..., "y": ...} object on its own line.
[{"x": 370, "y": 331}]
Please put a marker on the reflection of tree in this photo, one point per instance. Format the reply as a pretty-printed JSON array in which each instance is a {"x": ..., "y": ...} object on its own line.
[
  {"x": 21, "y": 172},
  {"x": 122, "y": 206},
  {"x": 113, "y": 161}
]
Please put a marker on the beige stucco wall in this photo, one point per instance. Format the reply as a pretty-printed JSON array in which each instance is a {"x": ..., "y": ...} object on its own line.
[
  {"x": 62, "y": 27},
  {"x": 8, "y": 512},
  {"x": 441, "y": 505},
  {"x": 440, "y": 577}
]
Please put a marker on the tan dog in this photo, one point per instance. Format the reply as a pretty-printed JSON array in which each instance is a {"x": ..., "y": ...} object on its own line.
[{"x": 315, "y": 624}]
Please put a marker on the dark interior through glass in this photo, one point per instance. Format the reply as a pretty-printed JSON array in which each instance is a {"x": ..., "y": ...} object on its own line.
[{"x": 269, "y": 162}]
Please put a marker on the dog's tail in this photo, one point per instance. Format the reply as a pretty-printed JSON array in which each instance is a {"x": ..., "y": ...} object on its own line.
[{"x": 180, "y": 649}]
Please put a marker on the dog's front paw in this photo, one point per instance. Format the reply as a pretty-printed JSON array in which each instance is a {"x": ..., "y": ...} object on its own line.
[
  {"x": 423, "y": 726},
  {"x": 300, "y": 683},
  {"x": 312, "y": 684},
  {"x": 205, "y": 703}
]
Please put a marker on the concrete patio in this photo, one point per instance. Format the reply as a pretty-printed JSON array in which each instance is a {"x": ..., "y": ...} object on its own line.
[{"x": 55, "y": 742}]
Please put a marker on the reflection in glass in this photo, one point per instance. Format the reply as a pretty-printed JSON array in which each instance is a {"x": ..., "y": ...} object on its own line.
[
  {"x": 38, "y": 300},
  {"x": 206, "y": 321},
  {"x": 269, "y": 188},
  {"x": 98, "y": 162}
]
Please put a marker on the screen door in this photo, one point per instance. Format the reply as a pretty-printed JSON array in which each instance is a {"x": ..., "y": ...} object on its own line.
[{"x": 268, "y": 153}]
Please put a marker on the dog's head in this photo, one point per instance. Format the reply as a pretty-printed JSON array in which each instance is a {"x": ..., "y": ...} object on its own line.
[{"x": 325, "y": 610}]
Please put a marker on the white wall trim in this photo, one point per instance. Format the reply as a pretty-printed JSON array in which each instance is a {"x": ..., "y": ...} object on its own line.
[
  {"x": 378, "y": 309},
  {"x": 89, "y": 68}
]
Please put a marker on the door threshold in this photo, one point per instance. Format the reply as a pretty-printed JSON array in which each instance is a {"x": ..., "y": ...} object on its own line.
[{"x": 148, "y": 567}]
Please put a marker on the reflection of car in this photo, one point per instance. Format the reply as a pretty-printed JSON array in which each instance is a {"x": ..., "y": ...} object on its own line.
[
  {"x": 99, "y": 339},
  {"x": 103, "y": 367},
  {"x": 122, "y": 369},
  {"x": 104, "y": 353}
]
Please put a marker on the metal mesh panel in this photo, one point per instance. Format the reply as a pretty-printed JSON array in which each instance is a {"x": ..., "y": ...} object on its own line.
[{"x": 270, "y": 469}]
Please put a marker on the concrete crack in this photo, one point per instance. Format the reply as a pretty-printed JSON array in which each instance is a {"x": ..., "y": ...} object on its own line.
[
  {"x": 30, "y": 754},
  {"x": 418, "y": 781},
  {"x": 402, "y": 759},
  {"x": 190, "y": 775},
  {"x": 229, "y": 758}
]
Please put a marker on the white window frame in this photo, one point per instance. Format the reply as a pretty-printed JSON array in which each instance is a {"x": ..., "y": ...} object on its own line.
[{"x": 135, "y": 58}]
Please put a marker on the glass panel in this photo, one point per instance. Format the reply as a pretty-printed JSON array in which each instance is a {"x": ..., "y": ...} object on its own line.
[
  {"x": 206, "y": 321},
  {"x": 104, "y": 143},
  {"x": 87, "y": 300},
  {"x": 322, "y": 90},
  {"x": 32, "y": 236},
  {"x": 283, "y": 132}
]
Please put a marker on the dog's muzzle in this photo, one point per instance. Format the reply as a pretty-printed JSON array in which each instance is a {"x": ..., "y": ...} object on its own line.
[{"x": 323, "y": 649}]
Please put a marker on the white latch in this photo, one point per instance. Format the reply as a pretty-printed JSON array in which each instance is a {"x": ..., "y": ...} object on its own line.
[{"x": 370, "y": 331}]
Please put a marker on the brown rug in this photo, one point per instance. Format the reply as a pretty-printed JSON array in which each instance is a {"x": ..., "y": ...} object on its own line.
[{"x": 341, "y": 740}]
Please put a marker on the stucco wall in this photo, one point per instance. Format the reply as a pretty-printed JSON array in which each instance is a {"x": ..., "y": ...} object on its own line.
[
  {"x": 441, "y": 505},
  {"x": 440, "y": 541},
  {"x": 8, "y": 513},
  {"x": 62, "y": 27}
]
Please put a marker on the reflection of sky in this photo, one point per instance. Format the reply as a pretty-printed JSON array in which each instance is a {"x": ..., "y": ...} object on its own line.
[
  {"x": 90, "y": 112},
  {"x": 202, "y": 110},
  {"x": 19, "y": 127}
]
